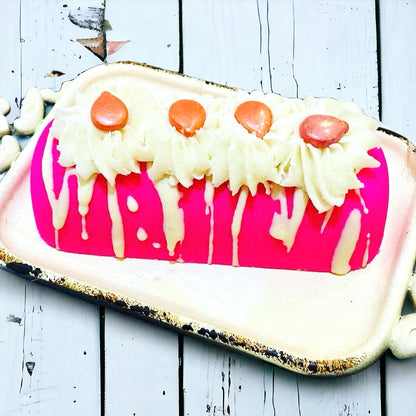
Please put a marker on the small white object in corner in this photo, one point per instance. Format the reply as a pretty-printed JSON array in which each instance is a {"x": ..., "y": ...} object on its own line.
[
  {"x": 9, "y": 150},
  {"x": 31, "y": 113}
]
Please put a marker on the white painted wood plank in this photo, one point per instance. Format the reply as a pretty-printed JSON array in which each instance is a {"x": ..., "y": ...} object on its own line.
[
  {"x": 335, "y": 51},
  {"x": 229, "y": 42},
  {"x": 46, "y": 26},
  {"x": 141, "y": 367},
  {"x": 356, "y": 395},
  {"x": 238, "y": 385},
  {"x": 53, "y": 352},
  {"x": 398, "y": 65},
  {"x": 49, "y": 351},
  {"x": 233, "y": 37},
  {"x": 141, "y": 360},
  {"x": 49, "y": 43},
  {"x": 151, "y": 27},
  {"x": 10, "y": 55},
  {"x": 398, "y": 68},
  {"x": 218, "y": 382}
]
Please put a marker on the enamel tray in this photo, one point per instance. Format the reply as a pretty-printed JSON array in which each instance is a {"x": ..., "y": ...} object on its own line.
[{"x": 310, "y": 323}]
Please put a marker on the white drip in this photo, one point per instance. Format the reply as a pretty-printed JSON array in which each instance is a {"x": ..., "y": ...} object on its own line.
[
  {"x": 284, "y": 228},
  {"x": 60, "y": 205},
  {"x": 132, "y": 204},
  {"x": 85, "y": 190},
  {"x": 117, "y": 232},
  {"x": 236, "y": 223},
  {"x": 173, "y": 224},
  {"x": 57, "y": 239},
  {"x": 209, "y": 210},
  {"x": 347, "y": 243},
  {"x": 84, "y": 232},
  {"x": 367, "y": 251},
  {"x": 326, "y": 219},
  {"x": 141, "y": 234},
  {"x": 362, "y": 202}
]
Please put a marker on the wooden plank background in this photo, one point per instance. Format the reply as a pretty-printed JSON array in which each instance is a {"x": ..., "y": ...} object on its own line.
[{"x": 61, "y": 355}]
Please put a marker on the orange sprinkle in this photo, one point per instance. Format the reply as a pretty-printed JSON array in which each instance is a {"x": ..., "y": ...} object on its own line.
[
  {"x": 109, "y": 113},
  {"x": 254, "y": 116},
  {"x": 187, "y": 116},
  {"x": 322, "y": 130}
]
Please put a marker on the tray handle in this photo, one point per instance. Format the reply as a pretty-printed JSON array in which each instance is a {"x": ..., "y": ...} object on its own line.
[{"x": 403, "y": 340}]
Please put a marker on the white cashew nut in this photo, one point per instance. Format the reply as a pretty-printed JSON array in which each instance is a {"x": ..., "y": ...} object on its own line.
[
  {"x": 9, "y": 150},
  {"x": 4, "y": 106},
  {"x": 4, "y": 126},
  {"x": 31, "y": 113}
]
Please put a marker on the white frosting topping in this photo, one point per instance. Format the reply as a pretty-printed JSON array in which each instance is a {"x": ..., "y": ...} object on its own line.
[{"x": 222, "y": 149}]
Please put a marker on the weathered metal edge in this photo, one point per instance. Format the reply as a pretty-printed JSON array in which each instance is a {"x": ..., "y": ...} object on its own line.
[
  {"x": 168, "y": 71},
  {"x": 272, "y": 355}
]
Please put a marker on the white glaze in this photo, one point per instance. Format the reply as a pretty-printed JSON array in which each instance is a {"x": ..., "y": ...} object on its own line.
[
  {"x": 284, "y": 226},
  {"x": 141, "y": 234},
  {"x": 367, "y": 250},
  {"x": 209, "y": 210},
  {"x": 236, "y": 223},
  {"x": 132, "y": 204},
  {"x": 173, "y": 222},
  {"x": 117, "y": 232},
  {"x": 347, "y": 243}
]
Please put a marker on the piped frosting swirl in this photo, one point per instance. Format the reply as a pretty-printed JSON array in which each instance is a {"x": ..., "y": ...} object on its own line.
[{"x": 222, "y": 149}]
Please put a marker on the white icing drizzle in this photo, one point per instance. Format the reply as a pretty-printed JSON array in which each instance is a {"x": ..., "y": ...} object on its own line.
[
  {"x": 57, "y": 239},
  {"x": 209, "y": 210},
  {"x": 60, "y": 205},
  {"x": 236, "y": 223},
  {"x": 347, "y": 243},
  {"x": 84, "y": 232},
  {"x": 367, "y": 251},
  {"x": 173, "y": 221},
  {"x": 156, "y": 245},
  {"x": 117, "y": 232},
  {"x": 362, "y": 202},
  {"x": 284, "y": 228},
  {"x": 85, "y": 190},
  {"x": 141, "y": 234},
  {"x": 326, "y": 219},
  {"x": 132, "y": 204}
]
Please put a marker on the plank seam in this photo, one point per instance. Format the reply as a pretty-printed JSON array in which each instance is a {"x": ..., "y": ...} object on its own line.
[
  {"x": 181, "y": 407},
  {"x": 379, "y": 66},
  {"x": 180, "y": 13},
  {"x": 102, "y": 359}
]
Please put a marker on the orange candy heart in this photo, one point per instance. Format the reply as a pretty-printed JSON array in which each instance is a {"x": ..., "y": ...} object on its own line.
[
  {"x": 109, "y": 113},
  {"x": 254, "y": 116},
  {"x": 187, "y": 116},
  {"x": 322, "y": 130}
]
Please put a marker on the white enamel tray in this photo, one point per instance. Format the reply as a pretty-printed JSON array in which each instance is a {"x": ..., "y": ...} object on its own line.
[{"x": 311, "y": 323}]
